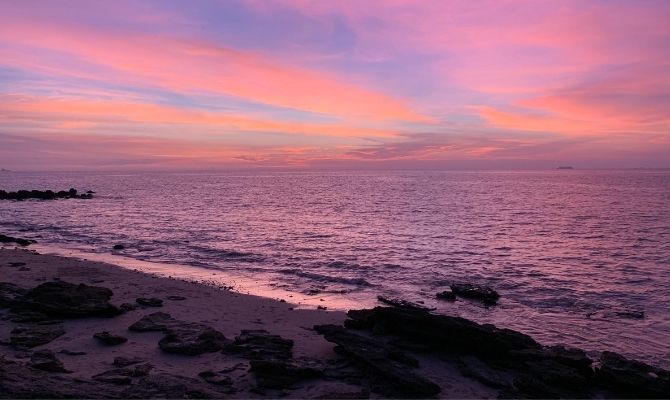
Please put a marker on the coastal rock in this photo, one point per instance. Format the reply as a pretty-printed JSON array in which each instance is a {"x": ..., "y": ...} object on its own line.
[
  {"x": 19, "y": 241},
  {"x": 475, "y": 368},
  {"x": 280, "y": 374},
  {"x": 261, "y": 345},
  {"x": 402, "y": 303},
  {"x": 387, "y": 368},
  {"x": 46, "y": 360},
  {"x": 10, "y": 294},
  {"x": 483, "y": 293},
  {"x": 118, "y": 376},
  {"x": 72, "y": 352},
  {"x": 215, "y": 378},
  {"x": 109, "y": 339},
  {"x": 35, "y": 335},
  {"x": 192, "y": 339},
  {"x": 118, "y": 247},
  {"x": 626, "y": 378},
  {"x": 446, "y": 295},
  {"x": 68, "y": 300},
  {"x": 156, "y": 322},
  {"x": 121, "y": 362},
  {"x": 149, "y": 302},
  {"x": 43, "y": 195}
]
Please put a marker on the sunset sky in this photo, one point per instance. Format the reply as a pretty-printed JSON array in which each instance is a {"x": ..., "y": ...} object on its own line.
[{"x": 207, "y": 84}]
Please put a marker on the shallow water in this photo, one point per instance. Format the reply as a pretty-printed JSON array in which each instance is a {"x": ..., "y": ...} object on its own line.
[{"x": 570, "y": 251}]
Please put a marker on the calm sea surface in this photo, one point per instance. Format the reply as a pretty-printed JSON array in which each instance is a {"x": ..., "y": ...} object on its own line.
[{"x": 571, "y": 252}]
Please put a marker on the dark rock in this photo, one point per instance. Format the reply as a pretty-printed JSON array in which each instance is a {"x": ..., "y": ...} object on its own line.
[
  {"x": 16, "y": 264},
  {"x": 142, "y": 370},
  {"x": 446, "y": 295},
  {"x": 475, "y": 368},
  {"x": 19, "y": 241},
  {"x": 388, "y": 369},
  {"x": 402, "y": 303},
  {"x": 571, "y": 357},
  {"x": 110, "y": 339},
  {"x": 10, "y": 294},
  {"x": 63, "y": 299},
  {"x": 363, "y": 394},
  {"x": 126, "y": 307},
  {"x": 215, "y": 378},
  {"x": 118, "y": 247},
  {"x": 158, "y": 321},
  {"x": 626, "y": 378},
  {"x": 149, "y": 302},
  {"x": 483, "y": 293},
  {"x": 192, "y": 339},
  {"x": 118, "y": 376},
  {"x": 280, "y": 374},
  {"x": 176, "y": 298},
  {"x": 261, "y": 345},
  {"x": 43, "y": 195},
  {"x": 126, "y": 361},
  {"x": 46, "y": 360},
  {"x": 35, "y": 335},
  {"x": 72, "y": 353}
]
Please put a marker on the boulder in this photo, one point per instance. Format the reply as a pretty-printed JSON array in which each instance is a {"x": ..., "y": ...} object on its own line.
[
  {"x": 192, "y": 339},
  {"x": 388, "y": 369},
  {"x": 155, "y": 322},
  {"x": 35, "y": 335},
  {"x": 46, "y": 360},
  {"x": 261, "y": 345},
  {"x": 109, "y": 338},
  {"x": 483, "y": 293},
  {"x": 68, "y": 300}
]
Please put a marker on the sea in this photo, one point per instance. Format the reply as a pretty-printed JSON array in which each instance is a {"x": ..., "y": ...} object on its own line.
[{"x": 580, "y": 258}]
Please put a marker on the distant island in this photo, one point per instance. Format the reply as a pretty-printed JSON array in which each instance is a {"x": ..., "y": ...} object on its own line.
[{"x": 565, "y": 167}]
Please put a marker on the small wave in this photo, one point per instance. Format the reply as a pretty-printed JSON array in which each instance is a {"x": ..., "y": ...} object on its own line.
[
  {"x": 229, "y": 255},
  {"x": 326, "y": 278}
]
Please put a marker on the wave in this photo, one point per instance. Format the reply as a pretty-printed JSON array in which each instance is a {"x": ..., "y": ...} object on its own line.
[{"x": 326, "y": 278}]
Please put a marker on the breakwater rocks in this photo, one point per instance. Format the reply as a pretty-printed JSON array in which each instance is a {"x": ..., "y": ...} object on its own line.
[
  {"x": 44, "y": 195},
  {"x": 379, "y": 341}
]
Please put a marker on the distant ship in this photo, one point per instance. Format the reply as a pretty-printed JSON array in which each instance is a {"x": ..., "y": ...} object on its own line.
[{"x": 565, "y": 167}]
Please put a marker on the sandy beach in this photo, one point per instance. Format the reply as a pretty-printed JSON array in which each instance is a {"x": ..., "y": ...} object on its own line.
[{"x": 225, "y": 311}]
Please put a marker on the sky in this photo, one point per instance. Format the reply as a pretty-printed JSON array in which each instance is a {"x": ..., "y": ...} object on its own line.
[{"x": 218, "y": 84}]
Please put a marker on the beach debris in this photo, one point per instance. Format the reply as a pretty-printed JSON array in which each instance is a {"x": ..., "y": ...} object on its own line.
[
  {"x": 389, "y": 369},
  {"x": 402, "y": 303},
  {"x": 446, "y": 295},
  {"x": 186, "y": 338},
  {"x": 126, "y": 361},
  {"x": 68, "y": 300},
  {"x": 46, "y": 360},
  {"x": 259, "y": 344},
  {"x": 34, "y": 335},
  {"x": 109, "y": 338},
  {"x": 280, "y": 374},
  {"x": 118, "y": 247},
  {"x": 483, "y": 293},
  {"x": 43, "y": 195},
  {"x": 215, "y": 378},
  {"x": 19, "y": 241},
  {"x": 149, "y": 302}
]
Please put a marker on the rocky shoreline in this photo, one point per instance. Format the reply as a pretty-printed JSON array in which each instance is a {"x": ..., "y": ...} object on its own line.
[
  {"x": 77, "y": 329},
  {"x": 45, "y": 195}
]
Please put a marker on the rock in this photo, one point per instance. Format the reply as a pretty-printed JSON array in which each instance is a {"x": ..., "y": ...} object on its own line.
[
  {"x": 280, "y": 374},
  {"x": 215, "y": 378},
  {"x": 126, "y": 361},
  {"x": 446, "y": 295},
  {"x": 118, "y": 376},
  {"x": 118, "y": 247},
  {"x": 126, "y": 307},
  {"x": 176, "y": 298},
  {"x": 72, "y": 353},
  {"x": 626, "y": 378},
  {"x": 19, "y": 241},
  {"x": 261, "y": 345},
  {"x": 10, "y": 294},
  {"x": 142, "y": 369},
  {"x": 483, "y": 293},
  {"x": 46, "y": 360},
  {"x": 158, "y": 321},
  {"x": 475, "y": 368},
  {"x": 388, "y": 369},
  {"x": 35, "y": 335},
  {"x": 110, "y": 339},
  {"x": 402, "y": 303},
  {"x": 68, "y": 300},
  {"x": 16, "y": 264},
  {"x": 149, "y": 302},
  {"x": 571, "y": 357},
  {"x": 192, "y": 339}
]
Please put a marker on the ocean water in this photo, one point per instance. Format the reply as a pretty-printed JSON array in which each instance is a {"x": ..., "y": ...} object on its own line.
[{"x": 572, "y": 253}]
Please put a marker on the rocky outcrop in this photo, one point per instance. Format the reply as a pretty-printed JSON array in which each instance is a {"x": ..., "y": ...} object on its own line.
[
  {"x": 44, "y": 195},
  {"x": 19, "y": 241},
  {"x": 261, "y": 345},
  {"x": 186, "y": 338},
  {"x": 630, "y": 379},
  {"x": 68, "y": 300},
  {"x": 35, "y": 335},
  {"x": 389, "y": 370},
  {"x": 485, "y": 294}
]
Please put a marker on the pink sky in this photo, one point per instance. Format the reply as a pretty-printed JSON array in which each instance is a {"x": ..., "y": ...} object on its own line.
[{"x": 349, "y": 84}]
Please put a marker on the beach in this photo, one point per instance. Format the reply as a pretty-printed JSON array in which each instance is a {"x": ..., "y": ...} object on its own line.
[{"x": 223, "y": 310}]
